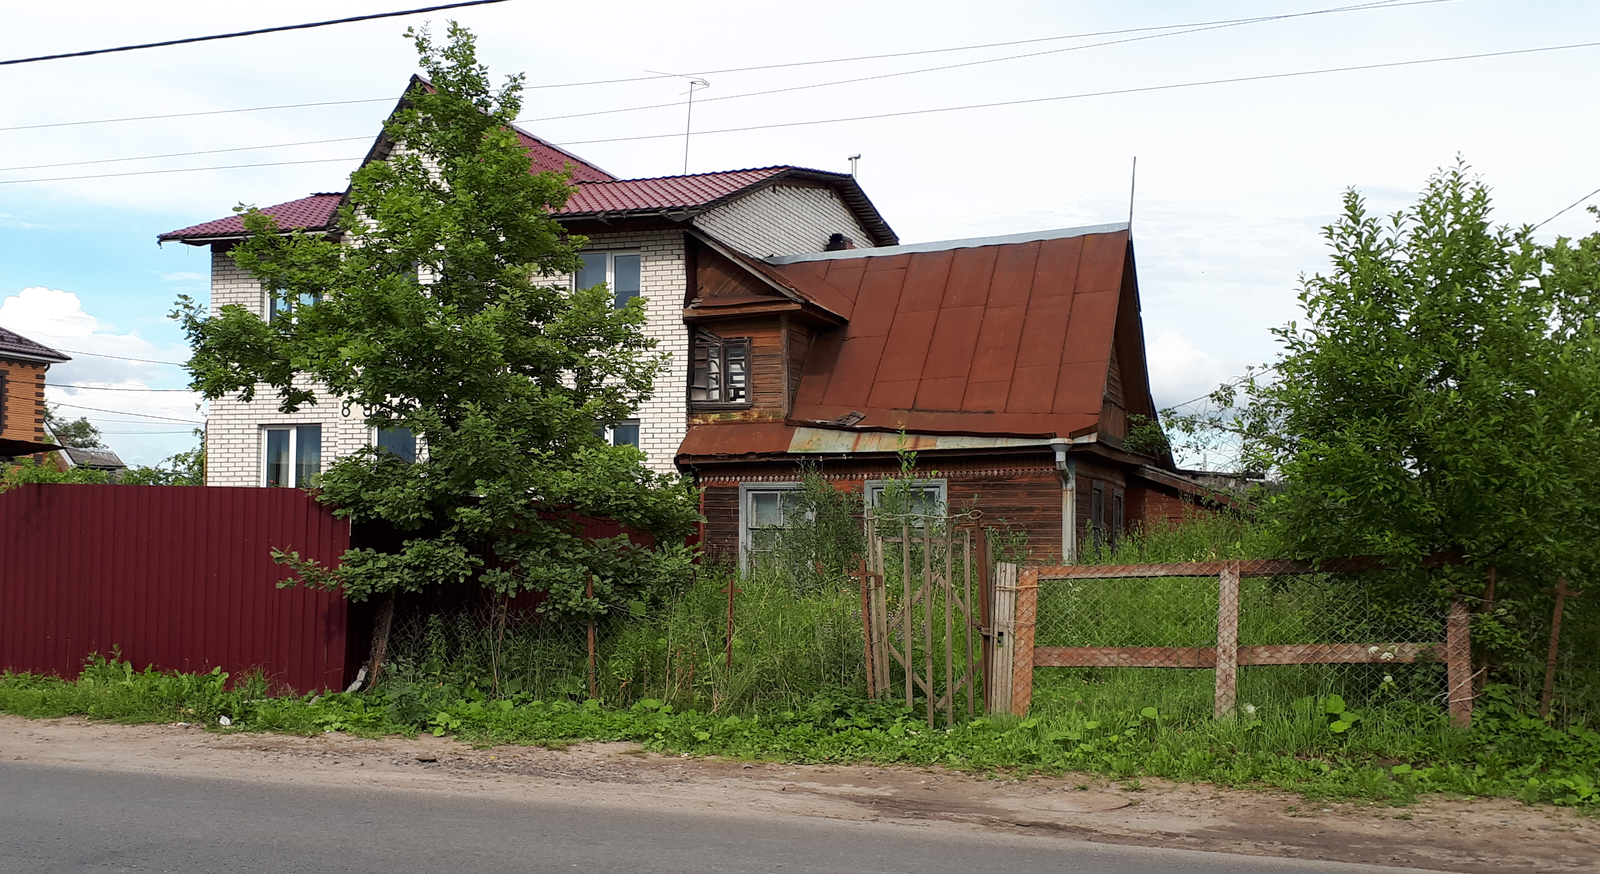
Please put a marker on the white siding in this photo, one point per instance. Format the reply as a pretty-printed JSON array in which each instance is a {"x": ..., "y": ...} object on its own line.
[{"x": 783, "y": 220}]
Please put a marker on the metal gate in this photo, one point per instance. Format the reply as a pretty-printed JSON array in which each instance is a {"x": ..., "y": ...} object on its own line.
[{"x": 924, "y": 599}]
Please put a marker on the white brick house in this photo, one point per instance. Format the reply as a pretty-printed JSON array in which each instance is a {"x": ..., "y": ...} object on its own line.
[{"x": 641, "y": 227}]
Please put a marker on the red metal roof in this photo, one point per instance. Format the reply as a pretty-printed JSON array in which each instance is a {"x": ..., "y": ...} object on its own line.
[
  {"x": 13, "y": 344},
  {"x": 1009, "y": 338},
  {"x": 665, "y": 192},
  {"x": 551, "y": 157},
  {"x": 312, "y": 213}
]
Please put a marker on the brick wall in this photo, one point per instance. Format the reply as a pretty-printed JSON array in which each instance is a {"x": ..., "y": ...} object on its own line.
[
  {"x": 783, "y": 220},
  {"x": 23, "y": 404},
  {"x": 233, "y": 428}
]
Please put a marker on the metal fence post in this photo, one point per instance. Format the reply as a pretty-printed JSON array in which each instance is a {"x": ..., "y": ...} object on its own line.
[
  {"x": 1227, "y": 639},
  {"x": 1022, "y": 641}
]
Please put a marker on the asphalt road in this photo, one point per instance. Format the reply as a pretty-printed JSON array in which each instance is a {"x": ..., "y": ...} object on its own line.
[{"x": 61, "y": 819}]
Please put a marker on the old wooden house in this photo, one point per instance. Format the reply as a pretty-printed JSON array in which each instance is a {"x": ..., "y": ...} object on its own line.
[{"x": 1011, "y": 365}]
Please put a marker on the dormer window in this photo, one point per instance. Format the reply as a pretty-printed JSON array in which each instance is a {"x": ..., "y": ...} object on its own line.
[{"x": 720, "y": 374}]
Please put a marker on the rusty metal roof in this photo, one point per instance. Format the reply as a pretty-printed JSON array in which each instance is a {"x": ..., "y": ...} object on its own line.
[
  {"x": 17, "y": 347},
  {"x": 966, "y": 337}
]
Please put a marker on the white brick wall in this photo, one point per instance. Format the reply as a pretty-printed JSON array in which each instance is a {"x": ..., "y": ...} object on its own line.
[
  {"x": 783, "y": 220},
  {"x": 663, "y": 283},
  {"x": 233, "y": 428}
]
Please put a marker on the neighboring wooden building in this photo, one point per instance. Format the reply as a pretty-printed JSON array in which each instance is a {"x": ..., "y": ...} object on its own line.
[
  {"x": 1011, "y": 365},
  {"x": 23, "y": 364}
]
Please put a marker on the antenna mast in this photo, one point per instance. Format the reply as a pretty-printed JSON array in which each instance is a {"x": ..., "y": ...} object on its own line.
[
  {"x": 1133, "y": 180},
  {"x": 688, "y": 118}
]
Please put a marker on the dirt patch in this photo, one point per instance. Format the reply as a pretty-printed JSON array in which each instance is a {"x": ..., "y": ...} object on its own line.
[{"x": 1493, "y": 836}]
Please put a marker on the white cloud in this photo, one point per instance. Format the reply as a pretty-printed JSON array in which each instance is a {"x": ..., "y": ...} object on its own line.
[
  {"x": 183, "y": 276},
  {"x": 1179, "y": 371},
  {"x": 115, "y": 394}
]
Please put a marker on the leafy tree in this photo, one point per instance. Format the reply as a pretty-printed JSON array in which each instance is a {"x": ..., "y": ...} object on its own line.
[
  {"x": 1441, "y": 396},
  {"x": 179, "y": 469},
  {"x": 78, "y": 433},
  {"x": 26, "y": 472},
  {"x": 437, "y": 315}
]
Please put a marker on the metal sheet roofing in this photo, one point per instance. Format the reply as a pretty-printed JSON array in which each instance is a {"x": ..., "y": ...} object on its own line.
[
  {"x": 667, "y": 192},
  {"x": 1010, "y": 338},
  {"x": 312, "y": 213},
  {"x": 547, "y": 156},
  {"x": 14, "y": 345}
]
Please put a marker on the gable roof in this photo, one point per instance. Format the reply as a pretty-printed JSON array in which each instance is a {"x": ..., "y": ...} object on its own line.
[
  {"x": 996, "y": 336},
  {"x": 17, "y": 347},
  {"x": 314, "y": 213},
  {"x": 677, "y": 196}
]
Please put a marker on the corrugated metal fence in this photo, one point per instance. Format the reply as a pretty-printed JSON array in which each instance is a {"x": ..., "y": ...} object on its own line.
[{"x": 175, "y": 576}]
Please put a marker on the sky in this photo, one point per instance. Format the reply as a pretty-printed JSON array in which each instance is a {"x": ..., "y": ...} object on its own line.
[{"x": 1234, "y": 179}]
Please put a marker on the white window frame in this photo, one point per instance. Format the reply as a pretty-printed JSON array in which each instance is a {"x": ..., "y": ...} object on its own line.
[
  {"x": 294, "y": 450},
  {"x": 610, "y": 433},
  {"x": 747, "y": 513},
  {"x": 272, "y": 294},
  {"x": 611, "y": 256},
  {"x": 873, "y": 490}
]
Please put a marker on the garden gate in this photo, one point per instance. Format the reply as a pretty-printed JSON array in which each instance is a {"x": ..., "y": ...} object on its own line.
[{"x": 924, "y": 599}]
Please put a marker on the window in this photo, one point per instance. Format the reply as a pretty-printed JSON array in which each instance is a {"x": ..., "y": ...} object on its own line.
[
  {"x": 765, "y": 511},
  {"x": 1097, "y": 514},
  {"x": 624, "y": 433},
  {"x": 620, "y": 273},
  {"x": 400, "y": 442},
  {"x": 720, "y": 372},
  {"x": 291, "y": 456},
  {"x": 1116, "y": 516},
  {"x": 281, "y": 303},
  {"x": 928, "y": 497}
]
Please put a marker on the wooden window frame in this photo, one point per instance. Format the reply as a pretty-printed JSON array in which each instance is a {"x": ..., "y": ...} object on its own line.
[
  {"x": 702, "y": 339},
  {"x": 746, "y": 512}
]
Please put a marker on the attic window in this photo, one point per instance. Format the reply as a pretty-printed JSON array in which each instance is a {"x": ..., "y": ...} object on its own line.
[{"x": 720, "y": 374}]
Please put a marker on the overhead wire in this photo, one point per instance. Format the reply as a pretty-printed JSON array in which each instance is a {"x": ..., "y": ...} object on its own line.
[
  {"x": 120, "y": 357},
  {"x": 1566, "y": 209},
  {"x": 110, "y": 388},
  {"x": 1383, "y": 4},
  {"x": 927, "y": 111},
  {"x": 183, "y": 154},
  {"x": 241, "y": 33},
  {"x": 1109, "y": 93},
  {"x": 130, "y": 413}
]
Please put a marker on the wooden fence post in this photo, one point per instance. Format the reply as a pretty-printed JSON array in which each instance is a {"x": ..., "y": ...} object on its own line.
[
  {"x": 1022, "y": 641},
  {"x": 997, "y": 694},
  {"x": 1458, "y": 663},
  {"x": 1227, "y": 640}
]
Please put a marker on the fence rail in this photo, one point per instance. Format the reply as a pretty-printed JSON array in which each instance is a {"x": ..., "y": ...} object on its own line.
[{"x": 1213, "y": 641}]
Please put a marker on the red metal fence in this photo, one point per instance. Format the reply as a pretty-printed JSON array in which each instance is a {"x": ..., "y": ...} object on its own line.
[{"x": 175, "y": 576}]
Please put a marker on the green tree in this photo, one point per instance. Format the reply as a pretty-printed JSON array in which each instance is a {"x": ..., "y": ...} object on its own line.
[
  {"x": 78, "y": 433},
  {"x": 1440, "y": 397},
  {"x": 186, "y": 468},
  {"x": 438, "y": 315}
]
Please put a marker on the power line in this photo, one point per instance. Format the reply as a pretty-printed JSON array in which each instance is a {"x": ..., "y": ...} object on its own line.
[
  {"x": 256, "y": 32},
  {"x": 110, "y": 388},
  {"x": 178, "y": 170},
  {"x": 910, "y": 112},
  {"x": 128, "y": 413},
  {"x": 1564, "y": 209},
  {"x": 182, "y": 154},
  {"x": 121, "y": 358},
  {"x": 993, "y": 45},
  {"x": 1386, "y": 4},
  {"x": 192, "y": 114},
  {"x": 1230, "y": 383},
  {"x": 1111, "y": 93}
]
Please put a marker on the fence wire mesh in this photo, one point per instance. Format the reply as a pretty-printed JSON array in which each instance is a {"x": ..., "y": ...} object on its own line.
[{"x": 1152, "y": 640}]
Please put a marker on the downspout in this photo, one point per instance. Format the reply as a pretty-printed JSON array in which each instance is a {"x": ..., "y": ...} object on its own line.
[{"x": 1067, "y": 469}]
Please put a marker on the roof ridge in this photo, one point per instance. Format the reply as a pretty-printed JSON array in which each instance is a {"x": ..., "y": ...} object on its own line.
[{"x": 942, "y": 245}]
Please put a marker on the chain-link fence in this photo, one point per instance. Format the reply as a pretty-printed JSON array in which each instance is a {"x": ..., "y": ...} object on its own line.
[{"x": 1279, "y": 634}]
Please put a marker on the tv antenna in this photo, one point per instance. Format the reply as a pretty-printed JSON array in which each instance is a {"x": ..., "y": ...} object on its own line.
[
  {"x": 695, "y": 82},
  {"x": 1133, "y": 180}
]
